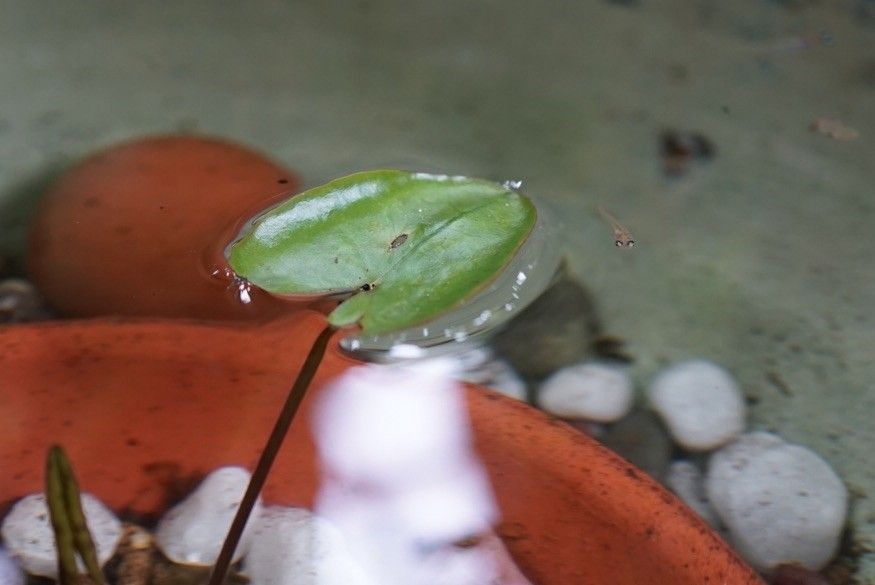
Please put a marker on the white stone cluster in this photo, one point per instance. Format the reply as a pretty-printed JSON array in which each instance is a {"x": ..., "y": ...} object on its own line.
[
  {"x": 775, "y": 502},
  {"x": 191, "y": 533}
]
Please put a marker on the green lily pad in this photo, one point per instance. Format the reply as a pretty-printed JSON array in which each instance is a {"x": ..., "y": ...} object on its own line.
[{"x": 406, "y": 246}]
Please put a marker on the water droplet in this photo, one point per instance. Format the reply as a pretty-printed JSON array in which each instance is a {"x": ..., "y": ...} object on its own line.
[
  {"x": 239, "y": 288},
  {"x": 244, "y": 296},
  {"x": 223, "y": 273}
]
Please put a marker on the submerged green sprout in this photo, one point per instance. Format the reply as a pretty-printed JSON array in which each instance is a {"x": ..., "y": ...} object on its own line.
[
  {"x": 405, "y": 247},
  {"x": 68, "y": 522}
]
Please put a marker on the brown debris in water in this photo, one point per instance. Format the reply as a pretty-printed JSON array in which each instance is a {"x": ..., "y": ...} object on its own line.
[
  {"x": 138, "y": 561},
  {"x": 834, "y": 128},
  {"x": 791, "y": 574},
  {"x": 678, "y": 149},
  {"x": 137, "y": 554}
]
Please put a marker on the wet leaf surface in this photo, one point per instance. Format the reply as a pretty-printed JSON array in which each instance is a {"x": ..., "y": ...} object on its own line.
[{"x": 406, "y": 246}]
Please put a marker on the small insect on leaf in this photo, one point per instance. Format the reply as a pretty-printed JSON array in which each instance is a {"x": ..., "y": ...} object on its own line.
[
  {"x": 413, "y": 245},
  {"x": 398, "y": 241}
]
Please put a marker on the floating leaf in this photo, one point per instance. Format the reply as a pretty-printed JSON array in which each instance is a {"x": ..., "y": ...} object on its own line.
[{"x": 406, "y": 246}]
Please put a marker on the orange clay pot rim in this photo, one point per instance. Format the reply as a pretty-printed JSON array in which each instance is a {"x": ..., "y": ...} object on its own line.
[
  {"x": 575, "y": 457},
  {"x": 543, "y": 424}
]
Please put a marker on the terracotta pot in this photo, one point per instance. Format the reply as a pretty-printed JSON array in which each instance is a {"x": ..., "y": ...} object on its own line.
[
  {"x": 146, "y": 408},
  {"x": 139, "y": 228}
]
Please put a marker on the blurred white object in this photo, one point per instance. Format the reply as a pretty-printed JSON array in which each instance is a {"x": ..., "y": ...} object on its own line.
[
  {"x": 685, "y": 479},
  {"x": 700, "y": 403},
  {"x": 29, "y": 539},
  {"x": 588, "y": 391},
  {"x": 782, "y": 503},
  {"x": 192, "y": 532},
  {"x": 476, "y": 365},
  {"x": 10, "y": 572},
  {"x": 402, "y": 483},
  {"x": 292, "y": 546}
]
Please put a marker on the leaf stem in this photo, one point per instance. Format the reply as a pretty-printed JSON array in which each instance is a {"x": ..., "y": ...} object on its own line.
[{"x": 268, "y": 455}]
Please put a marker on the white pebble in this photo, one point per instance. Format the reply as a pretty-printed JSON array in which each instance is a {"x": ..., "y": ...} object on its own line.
[
  {"x": 473, "y": 358},
  {"x": 28, "y": 536},
  {"x": 589, "y": 391},
  {"x": 10, "y": 572},
  {"x": 478, "y": 366},
  {"x": 291, "y": 546},
  {"x": 505, "y": 380},
  {"x": 193, "y": 531},
  {"x": 700, "y": 403},
  {"x": 727, "y": 463},
  {"x": 784, "y": 505},
  {"x": 685, "y": 479}
]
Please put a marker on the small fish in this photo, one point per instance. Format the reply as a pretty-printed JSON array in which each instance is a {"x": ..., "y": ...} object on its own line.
[{"x": 622, "y": 237}]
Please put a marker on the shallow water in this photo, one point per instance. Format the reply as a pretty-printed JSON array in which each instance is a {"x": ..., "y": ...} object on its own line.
[{"x": 759, "y": 258}]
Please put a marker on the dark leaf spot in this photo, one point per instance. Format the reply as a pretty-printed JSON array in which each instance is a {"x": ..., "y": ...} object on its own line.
[{"x": 400, "y": 239}]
